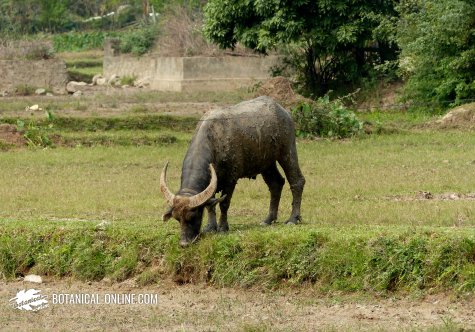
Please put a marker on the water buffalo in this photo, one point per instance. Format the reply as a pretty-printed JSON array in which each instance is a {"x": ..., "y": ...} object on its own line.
[{"x": 229, "y": 144}]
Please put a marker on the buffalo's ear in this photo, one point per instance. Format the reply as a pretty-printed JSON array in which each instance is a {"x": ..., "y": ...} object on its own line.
[
  {"x": 167, "y": 215},
  {"x": 213, "y": 201}
]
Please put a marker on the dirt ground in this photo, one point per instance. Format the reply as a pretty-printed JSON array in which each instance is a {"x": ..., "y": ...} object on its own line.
[
  {"x": 10, "y": 135},
  {"x": 204, "y": 308}
]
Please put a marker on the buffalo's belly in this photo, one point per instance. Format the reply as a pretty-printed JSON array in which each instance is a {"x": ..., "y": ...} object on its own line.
[{"x": 248, "y": 157}]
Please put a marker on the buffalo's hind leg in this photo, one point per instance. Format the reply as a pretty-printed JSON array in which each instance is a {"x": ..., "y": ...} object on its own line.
[
  {"x": 290, "y": 165},
  {"x": 275, "y": 182}
]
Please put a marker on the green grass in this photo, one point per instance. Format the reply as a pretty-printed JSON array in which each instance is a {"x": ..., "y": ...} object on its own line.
[
  {"x": 331, "y": 259},
  {"x": 119, "y": 138},
  {"x": 355, "y": 236},
  {"x": 395, "y": 120},
  {"x": 83, "y": 62},
  {"x": 82, "y": 66},
  {"x": 16, "y": 106},
  {"x": 81, "y": 74},
  {"x": 134, "y": 122}
]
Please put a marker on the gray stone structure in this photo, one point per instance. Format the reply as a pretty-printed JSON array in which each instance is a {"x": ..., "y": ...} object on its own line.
[
  {"x": 189, "y": 73},
  {"x": 50, "y": 73}
]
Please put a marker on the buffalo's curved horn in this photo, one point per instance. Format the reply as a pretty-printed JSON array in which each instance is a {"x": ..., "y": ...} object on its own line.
[
  {"x": 169, "y": 196},
  {"x": 205, "y": 195}
]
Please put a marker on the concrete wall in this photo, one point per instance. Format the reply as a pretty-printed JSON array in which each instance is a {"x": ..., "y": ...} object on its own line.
[
  {"x": 189, "y": 73},
  {"x": 49, "y": 73}
]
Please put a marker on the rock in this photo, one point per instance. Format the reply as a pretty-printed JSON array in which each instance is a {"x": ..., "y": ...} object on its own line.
[
  {"x": 142, "y": 82},
  {"x": 77, "y": 93},
  {"x": 101, "y": 81},
  {"x": 74, "y": 86},
  {"x": 33, "y": 278},
  {"x": 454, "y": 196},
  {"x": 95, "y": 78},
  {"x": 40, "y": 91},
  {"x": 113, "y": 79},
  {"x": 49, "y": 94},
  {"x": 33, "y": 108},
  {"x": 4, "y": 93},
  {"x": 125, "y": 86}
]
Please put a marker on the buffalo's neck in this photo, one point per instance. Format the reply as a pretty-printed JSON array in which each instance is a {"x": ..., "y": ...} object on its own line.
[{"x": 195, "y": 175}]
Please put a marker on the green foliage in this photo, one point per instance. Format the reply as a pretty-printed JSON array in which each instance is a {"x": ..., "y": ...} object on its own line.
[
  {"x": 85, "y": 74},
  {"x": 79, "y": 41},
  {"x": 329, "y": 38},
  {"x": 37, "y": 135},
  {"x": 437, "y": 40},
  {"x": 325, "y": 118},
  {"x": 127, "y": 80},
  {"x": 53, "y": 15},
  {"x": 138, "y": 41},
  {"x": 380, "y": 261}
]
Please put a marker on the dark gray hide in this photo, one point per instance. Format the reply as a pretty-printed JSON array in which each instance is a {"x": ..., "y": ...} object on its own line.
[{"x": 240, "y": 142}]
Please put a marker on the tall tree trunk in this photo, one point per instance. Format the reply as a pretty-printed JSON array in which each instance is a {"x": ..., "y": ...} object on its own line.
[{"x": 311, "y": 75}]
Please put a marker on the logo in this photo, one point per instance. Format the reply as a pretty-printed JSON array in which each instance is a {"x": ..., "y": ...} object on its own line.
[{"x": 30, "y": 300}]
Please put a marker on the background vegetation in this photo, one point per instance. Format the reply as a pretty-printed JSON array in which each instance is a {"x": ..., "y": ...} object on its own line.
[{"x": 338, "y": 45}]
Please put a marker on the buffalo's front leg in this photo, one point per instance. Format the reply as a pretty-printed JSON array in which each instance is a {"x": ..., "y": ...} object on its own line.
[
  {"x": 212, "y": 225},
  {"x": 224, "y": 206}
]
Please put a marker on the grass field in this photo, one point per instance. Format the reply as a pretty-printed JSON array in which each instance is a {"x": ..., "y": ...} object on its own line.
[{"x": 94, "y": 211}]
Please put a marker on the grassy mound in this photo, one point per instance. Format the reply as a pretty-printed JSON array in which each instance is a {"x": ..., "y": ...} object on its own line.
[{"x": 349, "y": 260}]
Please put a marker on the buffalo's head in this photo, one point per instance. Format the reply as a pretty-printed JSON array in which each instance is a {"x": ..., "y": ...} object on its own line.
[{"x": 188, "y": 208}]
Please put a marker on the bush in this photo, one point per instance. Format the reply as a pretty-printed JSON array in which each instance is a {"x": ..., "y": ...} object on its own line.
[
  {"x": 437, "y": 51},
  {"x": 37, "y": 135},
  {"x": 128, "y": 80},
  {"x": 139, "y": 41},
  {"x": 325, "y": 118},
  {"x": 79, "y": 41}
]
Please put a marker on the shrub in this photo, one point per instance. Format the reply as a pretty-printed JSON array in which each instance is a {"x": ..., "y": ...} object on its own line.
[
  {"x": 37, "y": 135},
  {"x": 139, "y": 41},
  {"x": 325, "y": 118},
  {"x": 127, "y": 80},
  {"x": 79, "y": 41},
  {"x": 437, "y": 51}
]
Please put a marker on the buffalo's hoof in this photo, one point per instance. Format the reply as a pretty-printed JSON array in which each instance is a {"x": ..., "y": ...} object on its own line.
[
  {"x": 293, "y": 221},
  {"x": 210, "y": 229},
  {"x": 268, "y": 222},
  {"x": 223, "y": 228}
]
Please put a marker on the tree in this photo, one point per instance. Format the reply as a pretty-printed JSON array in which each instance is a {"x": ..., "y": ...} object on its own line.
[
  {"x": 53, "y": 15},
  {"x": 336, "y": 37},
  {"x": 437, "y": 40}
]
